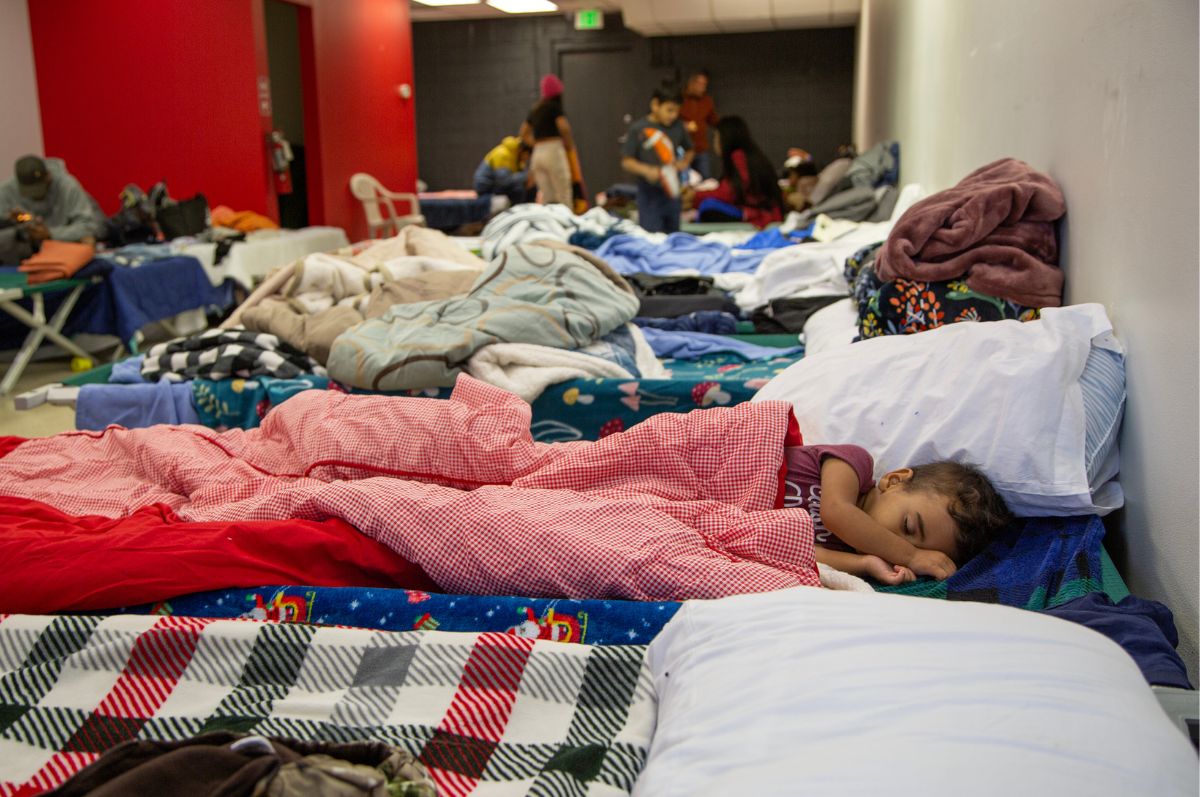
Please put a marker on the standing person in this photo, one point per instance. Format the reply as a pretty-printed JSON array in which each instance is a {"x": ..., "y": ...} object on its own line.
[
  {"x": 657, "y": 149},
  {"x": 698, "y": 113},
  {"x": 548, "y": 133},
  {"x": 749, "y": 190}
]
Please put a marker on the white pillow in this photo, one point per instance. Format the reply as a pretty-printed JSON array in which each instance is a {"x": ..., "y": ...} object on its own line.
[
  {"x": 809, "y": 691},
  {"x": 832, "y": 326},
  {"x": 1003, "y": 395}
]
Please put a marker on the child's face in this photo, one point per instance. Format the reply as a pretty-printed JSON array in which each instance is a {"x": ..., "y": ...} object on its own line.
[
  {"x": 803, "y": 185},
  {"x": 920, "y": 516},
  {"x": 665, "y": 112}
]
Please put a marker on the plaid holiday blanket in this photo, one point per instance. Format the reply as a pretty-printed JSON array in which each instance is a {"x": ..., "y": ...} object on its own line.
[
  {"x": 585, "y": 622},
  {"x": 486, "y": 713}
]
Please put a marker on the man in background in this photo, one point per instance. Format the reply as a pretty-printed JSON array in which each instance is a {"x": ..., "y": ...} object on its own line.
[
  {"x": 698, "y": 113},
  {"x": 43, "y": 202}
]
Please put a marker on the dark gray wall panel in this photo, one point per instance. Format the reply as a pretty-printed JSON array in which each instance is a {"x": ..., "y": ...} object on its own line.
[{"x": 476, "y": 80}]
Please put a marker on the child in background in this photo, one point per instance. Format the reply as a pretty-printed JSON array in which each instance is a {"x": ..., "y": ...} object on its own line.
[
  {"x": 652, "y": 152},
  {"x": 800, "y": 178},
  {"x": 915, "y": 521},
  {"x": 749, "y": 190}
]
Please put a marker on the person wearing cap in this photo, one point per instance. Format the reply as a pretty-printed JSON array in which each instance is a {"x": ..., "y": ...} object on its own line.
[
  {"x": 548, "y": 132},
  {"x": 42, "y": 201}
]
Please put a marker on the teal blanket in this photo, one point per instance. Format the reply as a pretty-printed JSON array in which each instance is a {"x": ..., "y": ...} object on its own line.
[{"x": 532, "y": 293}]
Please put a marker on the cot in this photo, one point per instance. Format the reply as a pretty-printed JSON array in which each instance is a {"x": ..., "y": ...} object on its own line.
[{"x": 102, "y": 299}]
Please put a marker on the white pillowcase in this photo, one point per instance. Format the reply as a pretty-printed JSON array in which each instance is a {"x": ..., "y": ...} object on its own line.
[
  {"x": 1004, "y": 395},
  {"x": 810, "y": 691},
  {"x": 832, "y": 326}
]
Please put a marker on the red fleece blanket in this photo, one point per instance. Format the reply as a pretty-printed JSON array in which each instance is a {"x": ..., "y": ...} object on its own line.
[
  {"x": 680, "y": 506},
  {"x": 994, "y": 227},
  {"x": 58, "y": 562}
]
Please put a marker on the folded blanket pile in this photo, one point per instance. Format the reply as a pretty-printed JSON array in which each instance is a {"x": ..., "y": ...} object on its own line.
[
  {"x": 905, "y": 306},
  {"x": 56, "y": 260},
  {"x": 993, "y": 231}
]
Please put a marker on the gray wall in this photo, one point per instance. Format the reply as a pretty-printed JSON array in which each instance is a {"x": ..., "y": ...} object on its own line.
[
  {"x": 1101, "y": 95},
  {"x": 475, "y": 82}
]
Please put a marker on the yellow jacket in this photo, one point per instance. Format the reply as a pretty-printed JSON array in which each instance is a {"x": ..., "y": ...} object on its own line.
[{"x": 504, "y": 155}]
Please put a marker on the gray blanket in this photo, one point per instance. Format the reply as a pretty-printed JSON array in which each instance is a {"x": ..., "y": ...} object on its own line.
[{"x": 532, "y": 293}]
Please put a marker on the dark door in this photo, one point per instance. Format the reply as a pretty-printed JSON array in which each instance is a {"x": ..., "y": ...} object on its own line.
[
  {"x": 284, "y": 59},
  {"x": 602, "y": 94}
]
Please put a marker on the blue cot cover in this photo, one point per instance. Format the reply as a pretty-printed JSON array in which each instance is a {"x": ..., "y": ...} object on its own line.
[{"x": 129, "y": 298}]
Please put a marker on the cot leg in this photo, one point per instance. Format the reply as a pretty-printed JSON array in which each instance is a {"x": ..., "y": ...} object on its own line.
[{"x": 39, "y": 329}]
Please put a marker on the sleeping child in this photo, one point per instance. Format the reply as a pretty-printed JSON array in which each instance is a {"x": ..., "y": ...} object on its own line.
[{"x": 915, "y": 521}]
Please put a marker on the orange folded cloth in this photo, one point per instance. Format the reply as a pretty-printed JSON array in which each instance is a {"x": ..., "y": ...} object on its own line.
[
  {"x": 57, "y": 260},
  {"x": 241, "y": 220}
]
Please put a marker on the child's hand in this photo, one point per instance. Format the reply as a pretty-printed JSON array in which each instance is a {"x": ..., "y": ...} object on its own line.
[
  {"x": 931, "y": 563},
  {"x": 653, "y": 174},
  {"x": 885, "y": 572}
]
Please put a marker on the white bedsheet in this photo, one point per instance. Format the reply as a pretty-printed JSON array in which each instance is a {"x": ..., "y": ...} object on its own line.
[{"x": 265, "y": 251}]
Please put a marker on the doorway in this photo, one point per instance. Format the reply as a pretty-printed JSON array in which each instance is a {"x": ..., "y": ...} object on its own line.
[
  {"x": 285, "y": 61},
  {"x": 602, "y": 95}
]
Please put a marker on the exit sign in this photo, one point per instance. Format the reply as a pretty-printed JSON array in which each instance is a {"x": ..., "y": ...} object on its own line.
[{"x": 589, "y": 19}]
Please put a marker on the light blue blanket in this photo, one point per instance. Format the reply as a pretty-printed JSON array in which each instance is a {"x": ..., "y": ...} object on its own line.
[
  {"x": 628, "y": 254},
  {"x": 670, "y": 344}
]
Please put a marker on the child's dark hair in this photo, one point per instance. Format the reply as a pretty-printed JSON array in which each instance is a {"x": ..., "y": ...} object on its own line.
[
  {"x": 802, "y": 169},
  {"x": 975, "y": 507},
  {"x": 668, "y": 92},
  {"x": 763, "y": 190}
]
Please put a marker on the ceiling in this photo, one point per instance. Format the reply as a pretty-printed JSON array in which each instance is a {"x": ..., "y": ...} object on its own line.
[
  {"x": 680, "y": 17},
  {"x": 480, "y": 10}
]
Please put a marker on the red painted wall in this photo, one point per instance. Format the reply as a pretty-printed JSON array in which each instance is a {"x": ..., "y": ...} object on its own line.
[
  {"x": 142, "y": 90},
  {"x": 363, "y": 53}
]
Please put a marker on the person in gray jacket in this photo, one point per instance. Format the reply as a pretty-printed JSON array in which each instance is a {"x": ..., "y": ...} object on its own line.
[{"x": 43, "y": 202}]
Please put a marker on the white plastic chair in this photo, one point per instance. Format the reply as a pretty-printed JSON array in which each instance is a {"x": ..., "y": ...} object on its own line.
[{"x": 379, "y": 206}]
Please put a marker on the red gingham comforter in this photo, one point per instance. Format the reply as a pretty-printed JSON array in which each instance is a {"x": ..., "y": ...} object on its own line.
[{"x": 680, "y": 506}]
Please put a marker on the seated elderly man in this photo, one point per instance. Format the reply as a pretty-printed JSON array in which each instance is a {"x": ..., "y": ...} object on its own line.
[{"x": 42, "y": 202}]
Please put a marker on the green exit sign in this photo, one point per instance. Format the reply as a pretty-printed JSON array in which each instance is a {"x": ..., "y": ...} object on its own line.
[{"x": 589, "y": 19}]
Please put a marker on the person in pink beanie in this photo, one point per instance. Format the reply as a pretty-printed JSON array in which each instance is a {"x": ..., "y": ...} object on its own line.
[{"x": 548, "y": 132}]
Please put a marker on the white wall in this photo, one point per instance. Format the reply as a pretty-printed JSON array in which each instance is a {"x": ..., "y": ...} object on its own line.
[
  {"x": 1102, "y": 95},
  {"x": 21, "y": 131}
]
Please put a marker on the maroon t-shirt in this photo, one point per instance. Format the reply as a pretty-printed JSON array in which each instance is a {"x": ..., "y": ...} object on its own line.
[{"x": 803, "y": 483}]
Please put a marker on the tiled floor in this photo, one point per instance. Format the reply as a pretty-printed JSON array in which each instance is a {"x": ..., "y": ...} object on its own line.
[{"x": 44, "y": 420}]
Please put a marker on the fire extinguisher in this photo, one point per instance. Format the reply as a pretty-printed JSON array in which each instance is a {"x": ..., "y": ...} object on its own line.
[{"x": 281, "y": 159}]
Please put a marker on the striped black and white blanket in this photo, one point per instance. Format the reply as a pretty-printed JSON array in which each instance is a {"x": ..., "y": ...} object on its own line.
[{"x": 225, "y": 354}]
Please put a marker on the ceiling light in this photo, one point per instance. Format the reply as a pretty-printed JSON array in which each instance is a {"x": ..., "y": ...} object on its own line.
[
  {"x": 522, "y": 6},
  {"x": 448, "y": 2}
]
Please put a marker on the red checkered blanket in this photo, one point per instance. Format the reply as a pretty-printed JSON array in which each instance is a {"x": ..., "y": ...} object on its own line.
[
  {"x": 486, "y": 713},
  {"x": 678, "y": 507}
]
